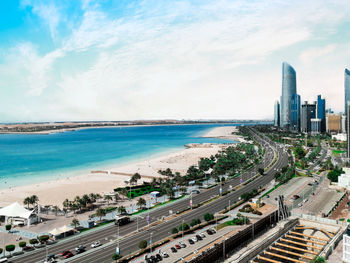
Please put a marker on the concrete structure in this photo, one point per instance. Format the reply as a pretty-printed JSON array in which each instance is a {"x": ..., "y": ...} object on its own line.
[
  {"x": 346, "y": 88},
  {"x": 344, "y": 181},
  {"x": 295, "y": 113},
  {"x": 348, "y": 130},
  {"x": 343, "y": 123},
  {"x": 316, "y": 126},
  {"x": 321, "y": 112},
  {"x": 308, "y": 112},
  {"x": 334, "y": 123},
  {"x": 346, "y": 247},
  {"x": 288, "y": 89},
  {"x": 277, "y": 113},
  {"x": 339, "y": 137}
]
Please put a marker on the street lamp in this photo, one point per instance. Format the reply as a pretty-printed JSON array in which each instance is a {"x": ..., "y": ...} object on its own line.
[
  {"x": 150, "y": 242},
  {"x": 183, "y": 221}
]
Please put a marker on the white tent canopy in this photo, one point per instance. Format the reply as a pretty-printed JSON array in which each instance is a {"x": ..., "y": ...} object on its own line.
[
  {"x": 61, "y": 230},
  {"x": 15, "y": 210}
]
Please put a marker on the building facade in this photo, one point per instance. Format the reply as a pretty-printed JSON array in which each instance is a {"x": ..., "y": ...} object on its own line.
[
  {"x": 288, "y": 89},
  {"x": 315, "y": 126},
  {"x": 277, "y": 113},
  {"x": 295, "y": 112},
  {"x": 321, "y": 112},
  {"x": 308, "y": 112},
  {"x": 346, "y": 88},
  {"x": 334, "y": 124}
]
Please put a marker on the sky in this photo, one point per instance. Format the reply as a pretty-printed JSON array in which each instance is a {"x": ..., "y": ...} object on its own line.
[{"x": 129, "y": 60}]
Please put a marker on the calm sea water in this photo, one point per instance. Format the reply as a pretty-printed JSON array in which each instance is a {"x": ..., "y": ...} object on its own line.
[{"x": 27, "y": 159}]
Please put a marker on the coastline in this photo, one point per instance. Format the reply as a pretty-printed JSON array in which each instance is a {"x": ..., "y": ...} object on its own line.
[{"x": 54, "y": 192}]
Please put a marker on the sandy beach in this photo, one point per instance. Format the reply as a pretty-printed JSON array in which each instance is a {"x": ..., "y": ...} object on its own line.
[{"x": 55, "y": 192}]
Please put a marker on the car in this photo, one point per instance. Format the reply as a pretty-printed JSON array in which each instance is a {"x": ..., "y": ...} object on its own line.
[
  {"x": 295, "y": 197},
  {"x": 80, "y": 248},
  {"x": 50, "y": 256},
  {"x": 310, "y": 184},
  {"x": 148, "y": 260},
  {"x": 64, "y": 253},
  {"x": 69, "y": 255},
  {"x": 154, "y": 259},
  {"x": 51, "y": 260},
  {"x": 209, "y": 232},
  {"x": 165, "y": 255},
  {"x": 199, "y": 237},
  {"x": 194, "y": 239},
  {"x": 212, "y": 230},
  {"x": 174, "y": 250},
  {"x": 159, "y": 257},
  {"x": 96, "y": 244},
  {"x": 177, "y": 246},
  {"x": 191, "y": 241},
  {"x": 182, "y": 244},
  {"x": 27, "y": 248},
  {"x": 202, "y": 235},
  {"x": 195, "y": 191}
]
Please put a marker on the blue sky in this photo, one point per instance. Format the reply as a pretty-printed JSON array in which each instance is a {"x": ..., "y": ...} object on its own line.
[{"x": 124, "y": 60}]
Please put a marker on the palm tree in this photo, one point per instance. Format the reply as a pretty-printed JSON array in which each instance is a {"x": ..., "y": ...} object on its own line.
[
  {"x": 121, "y": 209},
  {"x": 116, "y": 197},
  {"x": 75, "y": 222},
  {"x": 108, "y": 198},
  {"x": 55, "y": 209},
  {"x": 141, "y": 202},
  {"x": 92, "y": 197},
  {"x": 135, "y": 177},
  {"x": 124, "y": 192},
  {"x": 100, "y": 212},
  {"x": 27, "y": 202},
  {"x": 34, "y": 199}
]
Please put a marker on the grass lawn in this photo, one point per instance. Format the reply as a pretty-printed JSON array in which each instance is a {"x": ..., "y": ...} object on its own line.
[{"x": 337, "y": 152}]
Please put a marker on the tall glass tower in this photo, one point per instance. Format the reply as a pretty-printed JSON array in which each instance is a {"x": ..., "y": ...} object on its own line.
[
  {"x": 277, "y": 113},
  {"x": 321, "y": 112},
  {"x": 295, "y": 112},
  {"x": 347, "y": 89},
  {"x": 289, "y": 87}
]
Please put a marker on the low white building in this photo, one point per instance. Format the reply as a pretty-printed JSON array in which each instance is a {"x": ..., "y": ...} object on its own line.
[
  {"x": 15, "y": 214},
  {"x": 339, "y": 137},
  {"x": 346, "y": 248},
  {"x": 344, "y": 179}
]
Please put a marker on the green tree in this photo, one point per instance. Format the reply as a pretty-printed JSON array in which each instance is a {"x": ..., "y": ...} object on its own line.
[
  {"x": 75, "y": 222},
  {"x": 10, "y": 248},
  {"x": 116, "y": 257},
  {"x": 318, "y": 259},
  {"x": 195, "y": 222},
  {"x": 208, "y": 217},
  {"x": 43, "y": 238},
  {"x": 108, "y": 198},
  {"x": 22, "y": 244},
  {"x": 27, "y": 202},
  {"x": 100, "y": 213},
  {"x": 121, "y": 209},
  {"x": 33, "y": 241},
  {"x": 34, "y": 199},
  {"x": 184, "y": 227},
  {"x": 8, "y": 227},
  {"x": 261, "y": 171},
  {"x": 1, "y": 250},
  {"x": 143, "y": 244},
  {"x": 141, "y": 202},
  {"x": 174, "y": 230}
]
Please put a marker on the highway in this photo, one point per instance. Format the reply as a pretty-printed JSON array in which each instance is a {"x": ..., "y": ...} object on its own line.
[{"x": 130, "y": 244}]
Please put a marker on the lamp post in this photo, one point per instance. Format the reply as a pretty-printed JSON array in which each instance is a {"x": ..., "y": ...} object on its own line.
[
  {"x": 150, "y": 242},
  {"x": 117, "y": 252},
  {"x": 183, "y": 229}
]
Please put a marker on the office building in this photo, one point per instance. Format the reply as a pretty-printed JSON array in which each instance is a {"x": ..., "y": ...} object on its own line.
[
  {"x": 343, "y": 123},
  {"x": 348, "y": 130},
  {"x": 334, "y": 123},
  {"x": 277, "y": 113},
  {"x": 321, "y": 112},
  {"x": 346, "y": 88},
  {"x": 315, "y": 126},
  {"x": 295, "y": 113},
  {"x": 288, "y": 89},
  {"x": 308, "y": 112}
]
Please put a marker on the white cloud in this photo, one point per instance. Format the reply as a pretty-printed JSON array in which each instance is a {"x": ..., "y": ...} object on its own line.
[{"x": 310, "y": 55}]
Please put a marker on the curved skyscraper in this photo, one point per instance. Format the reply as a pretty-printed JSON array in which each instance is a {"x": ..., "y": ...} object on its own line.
[
  {"x": 347, "y": 89},
  {"x": 289, "y": 88}
]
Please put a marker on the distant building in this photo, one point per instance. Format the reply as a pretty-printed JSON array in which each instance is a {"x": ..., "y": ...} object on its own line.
[
  {"x": 321, "y": 112},
  {"x": 334, "y": 123},
  {"x": 315, "y": 126},
  {"x": 295, "y": 112},
  {"x": 344, "y": 179},
  {"x": 339, "y": 137},
  {"x": 289, "y": 88},
  {"x": 308, "y": 112},
  {"x": 348, "y": 130},
  {"x": 346, "y": 88},
  {"x": 277, "y": 113},
  {"x": 343, "y": 123}
]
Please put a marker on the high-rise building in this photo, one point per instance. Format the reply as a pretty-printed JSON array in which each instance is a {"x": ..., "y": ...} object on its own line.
[
  {"x": 343, "y": 123},
  {"x": 346, "y": 88},
  {"x": 321, "y": 112},
  {"x": 289, "y": 88},
  {"x": 315, "y": 126},
  {"x": 295, "y": 112},
  {"x": 348, "y": 129},
  {"x": 308, "y": 112},
  {"x": 334, "y": 123},
  {"x": 277, "y": 113}
]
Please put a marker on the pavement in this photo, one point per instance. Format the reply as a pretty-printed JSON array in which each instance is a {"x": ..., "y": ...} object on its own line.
[{"x": 128, "y": 244}]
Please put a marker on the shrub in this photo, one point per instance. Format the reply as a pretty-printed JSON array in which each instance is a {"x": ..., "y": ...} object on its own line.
[
  {"x": 10, "y": 248},
  {"x": 174, "y": 230},
  {"x": 43, "y": 238},
  {"x": 8, "y": 227},
  {"x": 143, "y": 244},
  {"x": 208, "y": 217},
  {"x": 1, "y": 250},
  {"x": 22, "y": 244},
  {"x": 116, "y": 257},
  {"x": 33, "y": 241},
  {"x": 184, "y": 227}
]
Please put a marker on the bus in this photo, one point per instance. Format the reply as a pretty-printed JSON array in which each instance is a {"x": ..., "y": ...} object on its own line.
[{"x": 121, "y": 220}]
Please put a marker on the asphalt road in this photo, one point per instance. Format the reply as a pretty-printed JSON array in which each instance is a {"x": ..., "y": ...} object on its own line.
[{"x": 129, "y": 244}]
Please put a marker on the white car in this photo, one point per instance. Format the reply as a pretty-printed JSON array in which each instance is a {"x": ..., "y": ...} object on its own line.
[
  {"x": 202, "y": 235},
  {"x": 165, "y": 255},
  {"x": 194, "y": 239},
  {"x": 96, "y": 244},
  {"x": 182, "y": 244}
]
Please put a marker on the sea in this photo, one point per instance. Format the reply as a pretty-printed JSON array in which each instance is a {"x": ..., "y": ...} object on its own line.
[{"x": 31, "y": 158}]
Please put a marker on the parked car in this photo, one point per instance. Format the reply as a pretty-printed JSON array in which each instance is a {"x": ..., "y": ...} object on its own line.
[
  {"x": 199, "y": 237},
  {"x": 194, "y": 239},
  {"x": 165, "y": 255},
  {"x": 191, "y": 241},
  {"x": 80, "y": 248},
  {"x": 182, "y": 244},
  {"x": 96, "y": 244},
  {"x": 202, "y": 235},
  {"x": 69, "y": 255},
  {"x": 195, "y": 192},
  {"x": 177, "y": 246},
  {"x": 173, "y": 249},
  {"x": 154, "y": 259},
  {"x": 159, "y": 257},
  {"x": 209, "y": 232}
]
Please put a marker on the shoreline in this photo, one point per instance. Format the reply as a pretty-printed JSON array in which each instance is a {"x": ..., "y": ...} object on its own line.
[{"x": 53, "y": 192}]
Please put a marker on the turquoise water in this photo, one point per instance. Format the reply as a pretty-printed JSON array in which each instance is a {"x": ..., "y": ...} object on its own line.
[{"x": 27, "y": 159}]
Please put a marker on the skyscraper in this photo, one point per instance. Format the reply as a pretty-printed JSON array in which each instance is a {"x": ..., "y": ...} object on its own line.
[
  {"x": 277, "y": 113},
  {"x": 321, "y": 112},
  {"x": 295, "y": 112},
  {"x": 347, "y": 89},
  {"x": 348, "y": 129},
  {"x": 288, "y": 89},
  {"x": 308, "y": 112}
]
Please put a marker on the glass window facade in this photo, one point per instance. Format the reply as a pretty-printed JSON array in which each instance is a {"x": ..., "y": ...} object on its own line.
[
  {"x": 295, "y": 113},
  {"x": 288, "y": 89}
]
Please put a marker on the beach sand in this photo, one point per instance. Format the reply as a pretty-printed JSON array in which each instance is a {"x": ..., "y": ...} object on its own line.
[{"x": 55, "y": 192}]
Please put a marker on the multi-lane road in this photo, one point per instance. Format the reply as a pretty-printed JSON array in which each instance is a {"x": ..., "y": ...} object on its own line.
[{"x": 129, "y": 243}]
